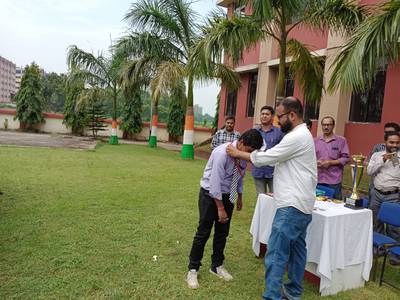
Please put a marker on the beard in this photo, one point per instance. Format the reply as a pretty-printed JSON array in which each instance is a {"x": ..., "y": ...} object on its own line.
[
  {"x": 392, "y": 149},
  {"x": 285, "y": 128}
]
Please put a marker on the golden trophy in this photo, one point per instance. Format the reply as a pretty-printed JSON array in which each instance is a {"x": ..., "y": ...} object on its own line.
[{"x": 357, "y": 170}]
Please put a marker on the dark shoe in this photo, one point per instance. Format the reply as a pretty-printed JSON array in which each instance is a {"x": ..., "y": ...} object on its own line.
[
  {"x": 1, "y": 193},
  {"x": 393, "y": 262}
]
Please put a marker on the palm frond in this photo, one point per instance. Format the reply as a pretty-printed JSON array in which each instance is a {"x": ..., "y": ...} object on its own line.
[
  {"x": 87, "y": 77},
  {"x": 231, "y": 36},
  {"x": 337, "y": 15},
  {"x": 89, "y": 96},
  {"x": 136, "y": 74},
  {"x": 152, "y": 16},
  {"x": 374, "y": 43},
  {"x": 227, "y": 76},
  {"x": 186, "y": 18},
  {"x": 137, "y": 44},
  {"x": 307, "y": 69},
  {"x": 77, "y": 58},
  {"x": 167, "y": 76}
]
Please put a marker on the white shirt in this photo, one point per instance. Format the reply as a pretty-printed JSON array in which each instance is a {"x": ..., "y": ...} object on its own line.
[
  {"x": 386, "y": 174},
  {"x": 295, "y": 177}
]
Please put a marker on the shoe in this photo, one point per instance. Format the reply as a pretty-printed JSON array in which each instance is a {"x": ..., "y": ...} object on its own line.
[
  {"x": 395, "y": 263},
  {"x": 191, "y": 279},
  {"x": 283, "y": 294},
  {"x": 221, "y": 272}
]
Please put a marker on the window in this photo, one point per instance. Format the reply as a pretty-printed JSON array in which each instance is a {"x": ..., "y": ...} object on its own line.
[
  {"x": 311, "y": 110},
  {"x": 367, "y": 106},
  {"x": 231, "y": 99},
  {"x": 251, "y": 95},
  {"x": 289, "y": 83}
]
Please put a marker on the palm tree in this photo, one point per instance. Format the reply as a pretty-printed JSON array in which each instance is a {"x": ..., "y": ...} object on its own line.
[
  {"x": 275, "y": 20},
  {"x": 374, "y": 43},
  {"x": 100, "y": 71},
  {"x": 164, "y": 33}
]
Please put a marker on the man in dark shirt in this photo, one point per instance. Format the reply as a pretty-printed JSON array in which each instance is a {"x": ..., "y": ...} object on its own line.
[{"x": 263, "y": 176}]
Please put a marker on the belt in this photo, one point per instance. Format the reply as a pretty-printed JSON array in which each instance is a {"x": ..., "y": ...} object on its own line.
[{"x": 388, "y": 192}]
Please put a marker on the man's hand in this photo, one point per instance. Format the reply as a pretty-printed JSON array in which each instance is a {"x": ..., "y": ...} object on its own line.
[
  {"x": 324, "y": 164},
  {"x": 239, "y": 204},
  {"x": 232, "y": 151},
  {"x": 388, "y": 156},
  {"x": 222, "y": 215}
]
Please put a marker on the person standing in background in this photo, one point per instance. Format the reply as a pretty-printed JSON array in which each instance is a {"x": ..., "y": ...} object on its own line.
[
  {"x": 263, "y": 176},
  {"x": 332, "y": 155},
  {"x": 226, "y": 134}
]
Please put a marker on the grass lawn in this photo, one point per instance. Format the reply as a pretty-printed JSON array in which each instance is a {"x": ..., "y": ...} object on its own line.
[{"x": 86, "y": 224}]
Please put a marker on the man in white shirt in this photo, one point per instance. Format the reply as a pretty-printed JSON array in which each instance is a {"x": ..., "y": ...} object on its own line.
[
  {"x": 295, "y": 180},
  {"x": 385, "y": 168}
]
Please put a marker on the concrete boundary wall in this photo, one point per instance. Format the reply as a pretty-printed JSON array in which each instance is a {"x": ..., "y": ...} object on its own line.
[{"x": 54, "y": 124}]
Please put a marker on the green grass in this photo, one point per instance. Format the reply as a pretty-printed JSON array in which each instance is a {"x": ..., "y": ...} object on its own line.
[{"x": 86, "y": 224}]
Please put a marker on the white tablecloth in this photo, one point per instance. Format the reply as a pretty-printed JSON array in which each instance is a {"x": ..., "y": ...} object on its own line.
[{"x": 338, "y": 240}]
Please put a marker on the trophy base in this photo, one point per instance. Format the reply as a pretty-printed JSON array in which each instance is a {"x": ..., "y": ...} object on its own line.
[{"x": 354, "y": 203}]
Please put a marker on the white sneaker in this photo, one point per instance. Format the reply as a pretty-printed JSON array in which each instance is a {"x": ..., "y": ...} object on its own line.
[
  {"x": 222, "y": 273},
  {"x": 191, "y": 279}
]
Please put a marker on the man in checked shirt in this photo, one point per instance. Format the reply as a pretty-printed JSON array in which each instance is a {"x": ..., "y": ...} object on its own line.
[{"x": 226, "y": 134}]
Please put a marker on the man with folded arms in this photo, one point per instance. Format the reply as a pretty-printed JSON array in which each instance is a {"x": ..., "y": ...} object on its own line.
[
  {"x": 385, "y": 169},
  {"x": 295, "y": 179},
  {"x": 221, "y": 184},
  {"x": 332, "y": 156}
]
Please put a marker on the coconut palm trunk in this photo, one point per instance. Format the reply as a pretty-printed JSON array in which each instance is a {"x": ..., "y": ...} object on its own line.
[
  {"x": 114, "y": 124},
  {"x": 188, "y": 134},
  {"x": 153, "y": 126}
]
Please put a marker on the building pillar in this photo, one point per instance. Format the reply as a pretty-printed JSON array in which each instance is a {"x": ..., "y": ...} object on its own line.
[
  {"x": 267, "y": 77},
  {"x": 337, "y": 103}
]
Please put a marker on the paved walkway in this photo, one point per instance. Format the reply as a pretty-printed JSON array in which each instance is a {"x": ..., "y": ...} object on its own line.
[
  {"x": 24, "y": 139},
  {"x": 15, "y": 138}
]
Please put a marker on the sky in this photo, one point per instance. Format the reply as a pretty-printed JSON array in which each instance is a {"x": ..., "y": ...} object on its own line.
[{"x": 42, "y": 30}]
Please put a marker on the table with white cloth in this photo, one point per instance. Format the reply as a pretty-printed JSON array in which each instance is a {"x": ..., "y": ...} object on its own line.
[{"x": 339, "y": 242}]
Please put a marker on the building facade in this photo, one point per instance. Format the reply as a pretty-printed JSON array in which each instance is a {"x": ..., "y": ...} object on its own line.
[
  {"x": 7, "y": 80},
  {"x": 359, "y": 117}
]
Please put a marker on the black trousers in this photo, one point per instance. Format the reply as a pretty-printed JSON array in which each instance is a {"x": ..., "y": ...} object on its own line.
[{"x": 208, "y": 218}]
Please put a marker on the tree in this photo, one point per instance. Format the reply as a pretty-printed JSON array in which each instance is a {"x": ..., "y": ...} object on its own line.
[
  {"x": 131, "y": 120},
  {"x": 164, "y": 33},
  {"x": 29, "y": 99},
  {"x": 95, "y": 117},
  {"x": 54, "y": 91},
  {"x": 74, "y": 115},
  {"x": 374, "y": 43},
  {"x": 91, "y": 101},
  {"x": 275, "y": 20},
  {"x": 176, "y": 114},
  {"x": 216, "y": 117},
  {"x": 100, "y": 71}
]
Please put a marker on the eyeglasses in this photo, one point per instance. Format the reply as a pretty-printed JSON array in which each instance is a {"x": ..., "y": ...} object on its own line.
[
  {"x": 280, "y": 116},
  {"x": 330, "y": 124}
]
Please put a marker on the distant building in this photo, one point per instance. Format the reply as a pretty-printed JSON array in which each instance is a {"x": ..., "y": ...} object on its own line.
[
  {"x": 7, "y": 79},
  {"x": 197, "y": 110}
]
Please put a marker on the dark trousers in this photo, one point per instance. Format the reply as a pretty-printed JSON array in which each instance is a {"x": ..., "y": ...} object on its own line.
[{"x": 208, "y": 213}]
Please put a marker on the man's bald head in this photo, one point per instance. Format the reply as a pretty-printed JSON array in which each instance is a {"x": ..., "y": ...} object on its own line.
[{"x": 293, "y": 104}]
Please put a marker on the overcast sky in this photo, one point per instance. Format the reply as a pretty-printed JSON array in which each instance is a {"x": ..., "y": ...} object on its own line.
[{"x": 42, "y": 30}]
